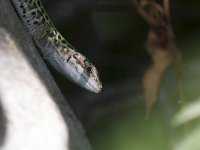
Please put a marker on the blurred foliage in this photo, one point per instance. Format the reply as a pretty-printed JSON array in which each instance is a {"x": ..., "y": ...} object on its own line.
[
  {"x": 129, "y": 130},
  {"x": 114, "y": 41},
  {"x": 186, "y": 117},
  {"x": 187, "y": 114}
]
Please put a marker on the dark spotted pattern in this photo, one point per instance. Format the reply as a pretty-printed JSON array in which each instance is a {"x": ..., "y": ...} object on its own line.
[
  {"x": 35, "y": 16},
  {"x": 51, "y": 42}
]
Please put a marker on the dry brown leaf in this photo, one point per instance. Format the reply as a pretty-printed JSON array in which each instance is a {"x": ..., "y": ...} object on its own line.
[
  {"x": 153, "y": 77},
  {"x": 161, "y": 45}
]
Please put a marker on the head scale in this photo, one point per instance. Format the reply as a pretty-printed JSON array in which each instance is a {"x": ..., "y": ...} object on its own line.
[
  {"x": 76, "y": 67},
  {"x": 83, "y": 72}
]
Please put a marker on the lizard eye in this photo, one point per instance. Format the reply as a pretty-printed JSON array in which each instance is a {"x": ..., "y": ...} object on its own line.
[{"x": 89, "y": 69}]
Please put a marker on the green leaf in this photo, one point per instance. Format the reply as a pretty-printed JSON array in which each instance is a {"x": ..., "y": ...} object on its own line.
[
  {"x": 190, "y": 142},
  {"x": 188, "y": 113}
]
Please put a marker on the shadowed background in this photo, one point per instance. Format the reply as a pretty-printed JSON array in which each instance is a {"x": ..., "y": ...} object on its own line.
[{"x": 112, "y": 35}]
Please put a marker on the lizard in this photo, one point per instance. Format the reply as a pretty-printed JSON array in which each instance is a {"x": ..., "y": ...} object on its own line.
[{"x": 54, "y": 47}]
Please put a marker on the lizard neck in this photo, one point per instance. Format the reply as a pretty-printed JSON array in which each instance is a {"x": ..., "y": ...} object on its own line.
[{"x": 58, "y": 52}]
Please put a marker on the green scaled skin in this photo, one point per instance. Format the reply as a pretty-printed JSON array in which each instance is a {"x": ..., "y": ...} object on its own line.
[{"x": 54, "y": 48}]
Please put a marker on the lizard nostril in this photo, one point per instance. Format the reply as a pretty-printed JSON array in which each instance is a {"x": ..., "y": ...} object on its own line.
[{"x": 100, "y": 87}]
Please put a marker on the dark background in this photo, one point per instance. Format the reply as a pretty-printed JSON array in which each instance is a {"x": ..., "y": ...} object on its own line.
[{"x": 112, "y": 35}]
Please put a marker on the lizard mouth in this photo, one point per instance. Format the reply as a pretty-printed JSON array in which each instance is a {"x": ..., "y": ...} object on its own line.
[
  {"x": 96, "y": 89},
  {"x": 99, "y": 89},
  {"x": 92, "y": 85}
]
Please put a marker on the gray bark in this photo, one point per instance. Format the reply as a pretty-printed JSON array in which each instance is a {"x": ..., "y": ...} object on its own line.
[{"x": 33, "y": 112}]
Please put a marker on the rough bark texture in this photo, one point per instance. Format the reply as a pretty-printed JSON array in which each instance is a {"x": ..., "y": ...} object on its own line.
[{"x": 33, "y": 112}]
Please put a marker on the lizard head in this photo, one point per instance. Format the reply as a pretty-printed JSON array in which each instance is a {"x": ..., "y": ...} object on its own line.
[
  {"x": 75, "y": 66},
  {"x": 91, "y": 75},
  {"x": 83, "y": 72}
]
